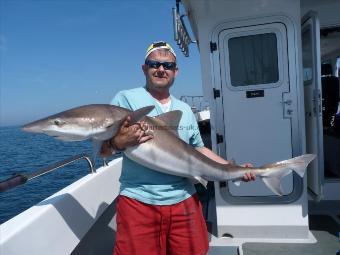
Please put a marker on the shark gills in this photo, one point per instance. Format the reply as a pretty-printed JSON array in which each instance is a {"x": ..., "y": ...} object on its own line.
[{"x": 166, "y": 152}]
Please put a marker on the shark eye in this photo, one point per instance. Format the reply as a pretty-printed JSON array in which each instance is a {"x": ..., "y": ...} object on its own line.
[{"x": 58, "y": 122}]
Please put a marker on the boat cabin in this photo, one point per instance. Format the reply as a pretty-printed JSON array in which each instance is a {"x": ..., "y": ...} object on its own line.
[{"x": 270, "y": 72}]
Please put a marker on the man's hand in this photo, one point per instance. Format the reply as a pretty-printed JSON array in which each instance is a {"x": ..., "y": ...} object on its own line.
[
  {"x": 249, "y": 176},
  {"x": 127, "y": 136},
  {"x": 130, "y": 135}
]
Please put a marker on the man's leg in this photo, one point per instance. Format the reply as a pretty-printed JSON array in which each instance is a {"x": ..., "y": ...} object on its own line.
[
  {"x": 188, "y": 232},
  {"x": 138, "y": 228}
]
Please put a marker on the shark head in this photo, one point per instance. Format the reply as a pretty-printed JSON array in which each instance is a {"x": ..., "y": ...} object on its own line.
[
  {"x": 63, "y": 128},
  {"x": 97, "y": 122}
]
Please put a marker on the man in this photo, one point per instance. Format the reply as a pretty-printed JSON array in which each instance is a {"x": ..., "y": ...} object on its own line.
[{"x": 158, "y": 213}]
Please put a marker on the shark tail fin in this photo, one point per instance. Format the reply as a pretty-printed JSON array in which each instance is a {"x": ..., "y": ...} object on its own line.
[
  {"x": 306, "y": 159},
  {"x": 299, "y": 164},
  {"x": 272, "y": 179},
  {"x": 140, "y": 113}
]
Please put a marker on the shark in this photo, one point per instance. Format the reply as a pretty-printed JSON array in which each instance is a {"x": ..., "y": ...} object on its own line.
[{"x": 165, "y": 152}]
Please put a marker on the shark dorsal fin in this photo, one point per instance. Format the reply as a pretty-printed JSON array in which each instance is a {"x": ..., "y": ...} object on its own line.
[
  {"x": 170, "y": 119},
  {"x": 139, "y": 114}
]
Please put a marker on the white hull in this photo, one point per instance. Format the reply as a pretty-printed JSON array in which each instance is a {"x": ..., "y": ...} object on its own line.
[{"x": 58, "y": 224}]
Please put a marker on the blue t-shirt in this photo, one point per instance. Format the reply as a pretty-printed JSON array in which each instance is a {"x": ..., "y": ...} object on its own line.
[{"x": 147, "y": 185}]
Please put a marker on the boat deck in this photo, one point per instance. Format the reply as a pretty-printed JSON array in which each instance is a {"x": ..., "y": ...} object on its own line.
[
  {"x": 324, "y": 223},
  {"x": 325, "y": 230}
]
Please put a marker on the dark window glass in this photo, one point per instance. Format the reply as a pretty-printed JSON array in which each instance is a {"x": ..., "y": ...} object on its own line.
[{"x": 253, "y": 59}]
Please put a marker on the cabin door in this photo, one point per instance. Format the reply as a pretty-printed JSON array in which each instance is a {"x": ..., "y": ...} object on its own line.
[
  {"x": 258, "y": 105},
  {"x": 313, "y": 107}
]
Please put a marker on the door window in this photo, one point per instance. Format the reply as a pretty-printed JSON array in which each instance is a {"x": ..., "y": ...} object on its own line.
[
  {"x": 253, "y": 59},
  {"x": 307, "y": 56}
]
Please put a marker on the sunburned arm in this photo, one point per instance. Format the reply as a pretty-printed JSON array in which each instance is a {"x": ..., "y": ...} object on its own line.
[
  {"x": 249, "y": 176},
  {"x": 212, "y": 155}
]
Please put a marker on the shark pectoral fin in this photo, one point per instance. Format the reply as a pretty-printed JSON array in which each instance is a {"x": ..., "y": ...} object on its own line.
[
  {"x": 96, "y": 147},
  {"x": 140, "y": 113},
  {"x": 274, "y": 184},
  {"x": 108, "y": 133},
  {"x": 237, "y": 183},
  {"x": 201, "y": 180}
]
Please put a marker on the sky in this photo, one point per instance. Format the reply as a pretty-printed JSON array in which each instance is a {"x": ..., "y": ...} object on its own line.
[{"x": 56, "y": 55}]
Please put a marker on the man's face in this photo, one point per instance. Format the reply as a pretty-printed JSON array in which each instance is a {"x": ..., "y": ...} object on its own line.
[{"x": 160, "y": 78}]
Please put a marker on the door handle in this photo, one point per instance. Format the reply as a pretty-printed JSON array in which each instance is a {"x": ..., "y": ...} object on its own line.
[{"x": 287, "y": 102}]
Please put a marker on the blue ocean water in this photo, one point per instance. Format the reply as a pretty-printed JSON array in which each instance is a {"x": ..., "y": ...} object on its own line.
[{"x": 22, "y": 152}]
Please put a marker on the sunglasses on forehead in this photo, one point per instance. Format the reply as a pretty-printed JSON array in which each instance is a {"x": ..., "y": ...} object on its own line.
[{"x": 156, "y": 64}]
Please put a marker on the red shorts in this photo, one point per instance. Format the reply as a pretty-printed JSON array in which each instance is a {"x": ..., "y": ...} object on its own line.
[{"x": 144, "y": 229}]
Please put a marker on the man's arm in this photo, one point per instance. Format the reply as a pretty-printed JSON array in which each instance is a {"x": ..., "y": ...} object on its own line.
[
  {"x": 212, "y": 155},
  {"x": 250, "y": 176}
]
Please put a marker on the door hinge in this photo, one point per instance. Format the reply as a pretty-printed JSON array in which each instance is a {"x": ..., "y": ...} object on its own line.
[
  {"x": 217, "y": 93},
  {"x": 213, "y": 47},
  {"x": 219, "y": 138}
]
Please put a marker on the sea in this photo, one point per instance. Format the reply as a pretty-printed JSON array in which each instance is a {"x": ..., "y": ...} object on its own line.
[{"x": 22, "y": 152}]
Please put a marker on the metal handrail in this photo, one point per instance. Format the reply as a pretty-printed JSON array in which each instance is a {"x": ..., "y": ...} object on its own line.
[
  {"x": 21, "y": 178},
  {"x": 63, "y": 163},
  {"x": 197, "y": 103}
]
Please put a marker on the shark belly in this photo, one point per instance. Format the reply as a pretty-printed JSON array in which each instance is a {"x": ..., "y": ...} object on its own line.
[{"x": 161, "y": 160}]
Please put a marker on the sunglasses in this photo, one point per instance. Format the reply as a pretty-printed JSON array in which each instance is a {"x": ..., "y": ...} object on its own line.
[{"x": 156, "y": 64}]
